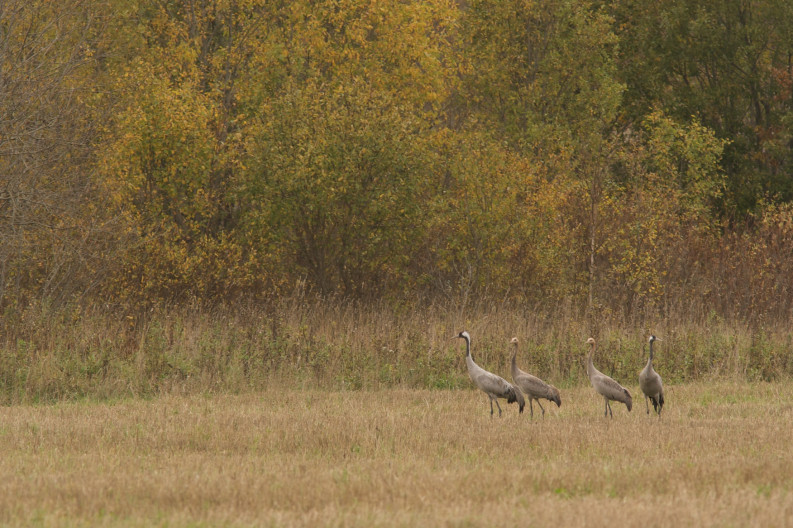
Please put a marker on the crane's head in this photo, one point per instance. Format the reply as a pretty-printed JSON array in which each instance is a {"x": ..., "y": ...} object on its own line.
[
  {"x": 514, "y": 341},
  {"x": 463, "y": 335},
  {"x": 652, "y": 338},
  {"x": 590, "y": 341}
]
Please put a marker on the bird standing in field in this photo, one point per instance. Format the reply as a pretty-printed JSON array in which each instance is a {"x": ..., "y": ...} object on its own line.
[
  {"x": 494, "y": 386},
  {"x": 533, "y": 386},
  {"x": 651, "y": 385},
  {"x": 605, "y": 386}
]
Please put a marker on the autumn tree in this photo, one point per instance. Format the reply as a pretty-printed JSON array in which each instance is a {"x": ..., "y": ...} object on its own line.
[
  {"x": 343, "y": 165},
  {"x": 175, "y": 153},
  {"x": 525, "y": 151},
  {"x": 529, "y": 80},
  {"x": 50, "y": 233},
  {"x": 665, "y": 184}
]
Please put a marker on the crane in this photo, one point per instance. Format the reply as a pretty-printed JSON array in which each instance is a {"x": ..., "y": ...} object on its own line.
[
  {"x": 534, "y": 387},
  {"x": 494, "y": 386},
  {"x": 651, "y": 384},
  {"x": 604, "y": 385}
]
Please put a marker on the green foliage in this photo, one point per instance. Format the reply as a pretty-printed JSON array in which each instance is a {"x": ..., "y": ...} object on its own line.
[
  {"x": 727, "y": 63},
  {"x": 665, "y": 187},
  {"x": 340, "y": 181},
  {"x": 687, "y": 157},
  {"x": 526, "y": 73}
]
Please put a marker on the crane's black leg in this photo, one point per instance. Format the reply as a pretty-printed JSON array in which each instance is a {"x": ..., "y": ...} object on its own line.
[
  {"x": 491, "y": 407},
  {"x": 499, "y": 408},
  {"x": 531, "y": 408},
  {"x": 541, "y": 407}
]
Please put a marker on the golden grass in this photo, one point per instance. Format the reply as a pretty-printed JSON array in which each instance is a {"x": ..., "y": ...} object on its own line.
[{"x": 720, "y": 456}]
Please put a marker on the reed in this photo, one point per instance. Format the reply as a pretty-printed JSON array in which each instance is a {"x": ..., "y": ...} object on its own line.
[{"x": 99, "y": 353}]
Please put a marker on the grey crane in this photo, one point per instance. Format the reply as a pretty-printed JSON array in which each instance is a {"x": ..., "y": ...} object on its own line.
[
  {"x": 651, "y": 384},
  {"x": 534, "y": 387},
  {"x": 605, "y": 386},
  {"x": 494, "y": 386}
]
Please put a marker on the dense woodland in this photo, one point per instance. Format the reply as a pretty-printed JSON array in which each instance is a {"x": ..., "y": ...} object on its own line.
[{"x": 620, "y": 157}]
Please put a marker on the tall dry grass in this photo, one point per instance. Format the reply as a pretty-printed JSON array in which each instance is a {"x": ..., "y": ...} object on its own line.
[
  {"x": 719, "y": 456},
  {"x": 97, "y": 353}
]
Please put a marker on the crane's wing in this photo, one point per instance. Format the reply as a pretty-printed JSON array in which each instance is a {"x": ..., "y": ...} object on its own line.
[
  {"x": 612, "y": 390},
  {"x": 492, "y": 384},
  {"x": 650, "y": 382},
  {"x": 534, "y": 386}
]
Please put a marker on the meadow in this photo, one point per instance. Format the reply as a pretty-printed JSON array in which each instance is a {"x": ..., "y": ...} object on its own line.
[
  {"x": 295, "y": 455},
  {"x": 325, "y": 414}
]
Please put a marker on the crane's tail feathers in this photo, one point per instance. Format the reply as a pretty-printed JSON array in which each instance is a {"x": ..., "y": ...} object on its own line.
[
  {"x": 656, "y": 402},
  {"x": 514, "y": 395}
]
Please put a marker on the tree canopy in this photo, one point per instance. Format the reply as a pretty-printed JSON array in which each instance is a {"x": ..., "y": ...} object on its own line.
[{"x": 616, "y": 155}]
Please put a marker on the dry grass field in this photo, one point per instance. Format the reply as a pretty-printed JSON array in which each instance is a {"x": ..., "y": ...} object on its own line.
[{"x": 720, "y": 456}]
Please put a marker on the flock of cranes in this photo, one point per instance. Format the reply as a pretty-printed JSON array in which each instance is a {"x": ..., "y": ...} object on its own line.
[{"x": 535, "y": 389}]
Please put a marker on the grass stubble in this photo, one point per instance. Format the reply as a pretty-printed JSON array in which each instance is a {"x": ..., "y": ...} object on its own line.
[{"x": 719, "y": 456}]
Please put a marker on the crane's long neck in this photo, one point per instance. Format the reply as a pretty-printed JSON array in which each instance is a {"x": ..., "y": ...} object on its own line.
[
  {"x": 590, "y": 367},
  {"x": 469, "y": 360},
  {"x": 514, "y": 360},
  {"x": 650, "y": 361}
]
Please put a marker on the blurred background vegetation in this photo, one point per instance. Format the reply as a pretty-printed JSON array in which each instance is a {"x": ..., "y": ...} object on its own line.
[{"x": 620, "y": 165}]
